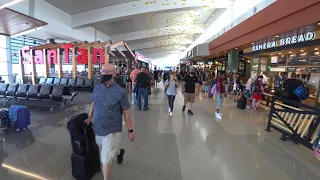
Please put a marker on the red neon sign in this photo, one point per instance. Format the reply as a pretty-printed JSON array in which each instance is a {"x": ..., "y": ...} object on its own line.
[{"x": 81, "y": 53}]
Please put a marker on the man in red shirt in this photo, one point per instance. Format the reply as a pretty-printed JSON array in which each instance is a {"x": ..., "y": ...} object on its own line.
[{"x": 221, "y": 93}]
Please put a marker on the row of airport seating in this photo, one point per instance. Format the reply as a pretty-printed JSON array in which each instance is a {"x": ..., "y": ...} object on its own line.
[
  {"x": 49, "y": 93},
  {"x": 70, "y": 82}
]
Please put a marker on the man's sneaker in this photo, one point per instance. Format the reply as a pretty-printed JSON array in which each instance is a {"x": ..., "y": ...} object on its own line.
[
  {"x": 183, "y": 108},
  {"x": 170, "y": 114},
  {"x": 132, "y": 102},
  {"x": 218, "y": 116},
  {"x": 248, "y": 107},
  {"x": 169, "y": 110},
  {"x": 120, "y": 156},
  {"x": 146, "y": 109},
  {"x": 190, "y": 112}
]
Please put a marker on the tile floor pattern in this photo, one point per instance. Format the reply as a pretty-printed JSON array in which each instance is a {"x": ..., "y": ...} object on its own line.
[{"x": 177, "y": 148}]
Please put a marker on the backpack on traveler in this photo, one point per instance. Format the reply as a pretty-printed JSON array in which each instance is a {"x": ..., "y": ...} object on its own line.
[
  {"x": 301, "y": 92},
  {"x": 255, "y": 86},
  {"x": 85, "y": 159}
]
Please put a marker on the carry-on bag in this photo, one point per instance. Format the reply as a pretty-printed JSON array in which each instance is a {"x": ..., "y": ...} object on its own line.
[
  {"x": 4, "y": 118},
  {"x": 85, "y": 157},
  {"x": 20, "y": 117},
  {"x": 242, "y": 103}
]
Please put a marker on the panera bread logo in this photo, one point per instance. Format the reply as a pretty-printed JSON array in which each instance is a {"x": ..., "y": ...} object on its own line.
[{"x": 309, "y": 36}]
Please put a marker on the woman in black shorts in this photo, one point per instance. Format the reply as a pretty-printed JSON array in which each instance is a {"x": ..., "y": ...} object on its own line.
[
  {"x": 128, "y": 80},
  {"x": 155, "y": 77}
]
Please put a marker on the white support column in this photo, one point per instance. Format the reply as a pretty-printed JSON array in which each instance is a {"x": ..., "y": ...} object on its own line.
[{"x": 6, "y": 61}]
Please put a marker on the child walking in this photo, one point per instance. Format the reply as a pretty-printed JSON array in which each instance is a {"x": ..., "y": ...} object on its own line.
[{"x": 171, "y": 86}]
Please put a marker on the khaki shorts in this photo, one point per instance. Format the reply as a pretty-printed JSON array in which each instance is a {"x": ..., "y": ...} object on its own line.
[
  {"x": 189, "y": 97},
  {"x": 109, "y": 146}
]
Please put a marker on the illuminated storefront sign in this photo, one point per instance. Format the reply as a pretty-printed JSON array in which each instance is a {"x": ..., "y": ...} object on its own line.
[
  {"x": 81, "y": 57},
  {"x": 309, "y": 36}
]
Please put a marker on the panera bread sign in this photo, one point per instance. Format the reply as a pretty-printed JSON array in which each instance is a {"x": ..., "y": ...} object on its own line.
[{"x": 309, "y": 36}]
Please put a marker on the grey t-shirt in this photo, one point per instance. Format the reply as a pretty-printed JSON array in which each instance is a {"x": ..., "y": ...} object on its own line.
[
  {"x": 109, "y": 103},
  {"x": 172, "y": 89}
]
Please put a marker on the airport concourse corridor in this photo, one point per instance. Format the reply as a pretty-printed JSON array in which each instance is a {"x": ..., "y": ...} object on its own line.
[{"x": 179, "y": 148}]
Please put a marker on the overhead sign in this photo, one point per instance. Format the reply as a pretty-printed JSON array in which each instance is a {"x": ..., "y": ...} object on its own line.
[
  {"x": 52, "y": 55},
  {"x": 142, "y": 58},
  {"x": 277, "y": 69},
  {"x": 190, "y": 54},
  {"x": 309, "y": 36}
]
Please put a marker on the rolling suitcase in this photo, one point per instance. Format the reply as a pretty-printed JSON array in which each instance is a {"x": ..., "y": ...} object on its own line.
[
  {"x": 20, "y": 117},
  {"x": 242, "y": 103},
  {"x": 85, "y": 159}
]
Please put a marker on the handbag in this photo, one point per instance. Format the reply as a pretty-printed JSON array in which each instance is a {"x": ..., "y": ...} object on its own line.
[{"x": 214, "y": 89}]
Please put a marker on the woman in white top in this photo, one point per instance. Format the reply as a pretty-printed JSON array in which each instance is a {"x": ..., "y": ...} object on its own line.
[
  {"x": 248, "y": 88},
  {"x": 171, "y": 86}
]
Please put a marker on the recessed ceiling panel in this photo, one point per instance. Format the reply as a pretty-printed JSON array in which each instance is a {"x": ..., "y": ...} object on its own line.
[
  {"x": 149, "y": 21},
  {"x": 12, "y": 22},
  {"x": 78, "y": 6}
]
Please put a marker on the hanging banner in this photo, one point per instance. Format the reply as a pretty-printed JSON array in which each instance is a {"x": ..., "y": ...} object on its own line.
[{"x": 142, "y": 58}]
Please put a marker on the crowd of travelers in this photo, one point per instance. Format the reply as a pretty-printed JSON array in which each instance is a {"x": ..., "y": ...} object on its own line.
[{"x": 111, "y": 98}]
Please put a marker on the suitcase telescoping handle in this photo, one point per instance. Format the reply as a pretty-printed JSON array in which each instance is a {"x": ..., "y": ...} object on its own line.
[{"x": 86, "y": 136}]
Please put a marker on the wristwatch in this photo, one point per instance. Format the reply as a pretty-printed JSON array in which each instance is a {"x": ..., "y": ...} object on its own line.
[{"x": 130, "y": 131}]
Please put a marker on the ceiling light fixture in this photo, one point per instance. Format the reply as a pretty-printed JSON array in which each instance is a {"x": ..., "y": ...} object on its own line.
[
  {"x": 290, "y": 52},
  {"x": 277, "y": 36},
  {"x": 236, "y": 48},
  {"x": 301, "y": 50},
  {"x": 271, "y": 54},
  {"x": 279, "y": 53},
  {"x": 316, "y": 49},
  {"x": 10, "y": 3},
  {"x": 252, "y": 43}
]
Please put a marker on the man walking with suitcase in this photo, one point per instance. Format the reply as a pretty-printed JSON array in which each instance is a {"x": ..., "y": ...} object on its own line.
[{"x": 109, "y": 102}]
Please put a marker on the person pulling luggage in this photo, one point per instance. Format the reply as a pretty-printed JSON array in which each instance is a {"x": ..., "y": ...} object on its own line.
[{"x": 109, "y": 102}]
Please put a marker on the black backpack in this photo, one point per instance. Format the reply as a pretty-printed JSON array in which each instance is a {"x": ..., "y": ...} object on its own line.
[
  {"x": 82, "y": 136},
  {"x": 85, "y": 160},
  {"x": 143, "y": 80},
  {"x": 242, "y": 103},
  {"x": 255, "y": 86}
]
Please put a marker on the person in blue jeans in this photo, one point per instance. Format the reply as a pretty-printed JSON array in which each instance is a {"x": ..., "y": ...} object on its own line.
[
  {"x": 133, "y": 77},
  {"x": 171, "y": 86},
  {"x": 143, "y": 85}
]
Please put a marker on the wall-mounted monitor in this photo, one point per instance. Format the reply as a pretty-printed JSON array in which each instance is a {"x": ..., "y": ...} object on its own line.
[
  {"x": 315, "y": 58},
  {"x": 302, "y": 58},
  {"x": 274, "y": 60},
  {"x": 292, "y": 60},
  {"x": 283, "y": 60}
]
